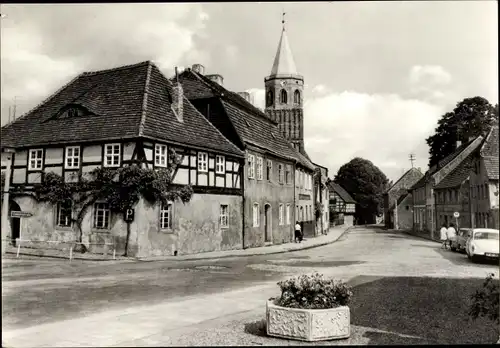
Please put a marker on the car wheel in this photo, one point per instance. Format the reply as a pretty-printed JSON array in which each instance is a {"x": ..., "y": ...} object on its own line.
[{"x": 453, "y": 249}]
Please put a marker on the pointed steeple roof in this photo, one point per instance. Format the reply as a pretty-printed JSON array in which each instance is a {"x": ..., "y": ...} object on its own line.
[{"x": 283, "y": 62}]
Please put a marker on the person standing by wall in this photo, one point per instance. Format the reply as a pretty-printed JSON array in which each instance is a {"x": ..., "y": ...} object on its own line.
[
  {"x": 444, "y": 236},
  {"x": 298, "y": 232}
]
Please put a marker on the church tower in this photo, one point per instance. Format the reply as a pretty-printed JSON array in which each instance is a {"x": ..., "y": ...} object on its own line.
[{"x": 285, "y": 94}]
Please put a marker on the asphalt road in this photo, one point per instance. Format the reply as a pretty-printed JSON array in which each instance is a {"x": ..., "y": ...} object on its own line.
[{"x": 38, "y": 291}]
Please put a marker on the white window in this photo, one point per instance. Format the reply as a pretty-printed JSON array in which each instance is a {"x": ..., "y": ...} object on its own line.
[
  {"x": 35, "y": 159},
  {"x": 72, "y": 157},
  {"x": 260, "y": 168},
  {"x": 166, "y": 216},
  {"x": 64, "y": 210},
  {"x": 297, "y": 177},
  {"x": 288, "y": 214},
  {"x": 288, "y": 174},
  {"x": 112, "y": 155},
  {"x": 202, "y": 162},
  {"x": 256, "y": 215},
  {"x": 281, "y": 214},
  {"x": 224, "y": 216},
  {"x": 101, "y": 215},
  {"x": 280, "y": 173},
  {"x": 220, "y": 164},
  {"x": 160, "y": 155},
  {"x": 251, "y": 166},
  {"x": 269, "y": 169}
]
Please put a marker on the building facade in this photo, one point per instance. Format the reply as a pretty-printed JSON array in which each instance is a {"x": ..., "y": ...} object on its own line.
[
  {"x": 131, "y": 115},
  {"x": 342, "y": 206}
]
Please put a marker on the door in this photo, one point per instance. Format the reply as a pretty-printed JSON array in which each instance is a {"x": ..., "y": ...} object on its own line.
[
  {"x": 15, "y": 223},
  {"x": 267, "y": 223}
]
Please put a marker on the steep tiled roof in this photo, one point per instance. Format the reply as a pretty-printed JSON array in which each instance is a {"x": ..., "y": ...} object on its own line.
[
  {"x": 458, "y": 175},
  {"x": 125, "y": 102},
  {"x": 251, "y": 124},
  {"x": 341, "y": 192},
  {"x": 489, "y": 152},
  {"x": 412, "y": 171}
]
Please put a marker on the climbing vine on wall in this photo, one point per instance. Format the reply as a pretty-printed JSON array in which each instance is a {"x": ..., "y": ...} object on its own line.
[{"x": 121, "y": 188}]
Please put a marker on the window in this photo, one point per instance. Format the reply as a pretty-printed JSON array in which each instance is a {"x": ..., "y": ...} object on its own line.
[
  {"x": 166, "y": 216},
  {"x": 270, "y": 98},
  {"x": 251, "y": 166},
  {"x": 283, "y": 97},
  {"x": 256, "y": 215},
  {"x": 259, "y": 168},
  {"x": 112, "y": 155},
  {"x": 160, "y": 155},
  {"x": 101, "y": 215},
  {"x": 288, "y": 174},
  {"x": 281, "y": 214},
  {"x": 72, "y": 157},
  {"x": 220, "y": 164},
  {"x": 35, "y": 159},
  {"x": 296, "y": 97},
  {"x": 280, "y": 173},
  {"x": 269, "y": 170},
  {"x": 64, "y": 210},
  {"x": 202, "y": 162},
  {"x": 288, "y": 214},
  {"x": 224, "y": 216}
]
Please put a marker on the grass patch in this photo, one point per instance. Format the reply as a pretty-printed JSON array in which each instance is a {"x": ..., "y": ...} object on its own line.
[{"x": 434, "y": 309}]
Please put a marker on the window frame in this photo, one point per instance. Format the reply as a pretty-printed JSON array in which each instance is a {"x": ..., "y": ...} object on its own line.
[
  {"x": 288, "y": 220},
  {"x": 59, "y": 209},
  {"x": 169, "y": 212},
  {"x": 256, "y": 215},
  {"x": 159, "y": 156},
  {"x": 72, "y": 157},
  {"x": 281, "y": 214},
  {"x": 224, "y": 216},
  {"x": 112, "y": 155},
  {"x": 283, "y": 96},
  {"x": 37, "y": 160},
  {"x": 296, "y": 97},
  {"x": 288, "y": 174},
  {"x": 260, "y": 168},
  {"x": 251, "y": 166},
  {"x": 220, "y": 164},
  {"x": 202, "y": 163},
  {"x": 280, "y": 173},
  {"x": 269, "y": 170},
  {"x": 106, "y": 216}
]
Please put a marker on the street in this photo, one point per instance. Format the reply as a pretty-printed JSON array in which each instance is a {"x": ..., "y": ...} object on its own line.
[{"x": 52, "y": 302}]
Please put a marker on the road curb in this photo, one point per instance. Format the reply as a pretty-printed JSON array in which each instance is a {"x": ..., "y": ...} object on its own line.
[{"x": 257, "y": 254}]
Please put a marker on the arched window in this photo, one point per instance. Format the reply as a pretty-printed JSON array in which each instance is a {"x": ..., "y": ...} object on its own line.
[
  {"x": 270, "y": 98},
  {"x": 296, "y": 97},
  {"x": 283, "y": 97}
]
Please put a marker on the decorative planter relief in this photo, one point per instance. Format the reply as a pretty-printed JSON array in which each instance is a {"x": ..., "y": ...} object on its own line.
[{"x": 308, "y": 324}]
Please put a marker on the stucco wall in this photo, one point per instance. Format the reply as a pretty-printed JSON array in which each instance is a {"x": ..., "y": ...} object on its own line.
[{"x": 405, "y": 213}]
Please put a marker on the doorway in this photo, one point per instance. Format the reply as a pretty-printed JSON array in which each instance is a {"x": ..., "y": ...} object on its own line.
[
  {"x": 267, "y": 223},
  {"x": 15, "y": 223}
]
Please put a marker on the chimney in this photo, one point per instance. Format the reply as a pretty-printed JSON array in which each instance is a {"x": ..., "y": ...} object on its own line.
[
  {"x": 216, "y": 78},
  {"x": 198, "y": 68},
  {"x": 178, "y": 98},
  {"x": 245, "y": 95}
]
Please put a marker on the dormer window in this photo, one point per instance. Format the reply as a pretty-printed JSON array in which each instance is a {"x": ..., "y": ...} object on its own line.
[
  {"x": 283, "y": 97},
  {"x": 296, "y": 97}
]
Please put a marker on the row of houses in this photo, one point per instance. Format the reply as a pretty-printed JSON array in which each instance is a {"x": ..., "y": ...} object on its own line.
[
  {"x": 250, "y": 173},
  {"x": 465, "y": 182}
]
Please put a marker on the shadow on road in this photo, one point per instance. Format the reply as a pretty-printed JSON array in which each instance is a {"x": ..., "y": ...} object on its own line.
[
  {"x": 460, "y": 258},
  {"x": 257, "y": 328},
  {"x": 430, "y": 308},
  {"x": 386, "y": 338}
]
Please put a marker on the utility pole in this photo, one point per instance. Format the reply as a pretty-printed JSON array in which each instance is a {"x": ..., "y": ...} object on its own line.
[{"x": 412, "y": 159}]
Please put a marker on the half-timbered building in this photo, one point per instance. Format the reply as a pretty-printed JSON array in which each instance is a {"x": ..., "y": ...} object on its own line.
[
  {"x": 113, "y": 118},
  {"x": 342, "y": 206}
]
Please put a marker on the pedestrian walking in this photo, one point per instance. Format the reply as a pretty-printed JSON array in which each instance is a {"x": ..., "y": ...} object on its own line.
[
  {"x": 298, "y": 232},
  {"x": 452, "y": 234},
  {"x": 444, "y": 236}
]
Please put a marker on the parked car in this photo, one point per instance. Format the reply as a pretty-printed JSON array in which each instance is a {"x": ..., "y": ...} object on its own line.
[
  {"x": 458, "y": 244},
  {"x": 483, "y": 242}
]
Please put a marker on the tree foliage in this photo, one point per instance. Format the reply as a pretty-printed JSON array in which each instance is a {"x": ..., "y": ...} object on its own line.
[
  {"x": 366, "y": 183},
  {"x": 470, "y": 118}
]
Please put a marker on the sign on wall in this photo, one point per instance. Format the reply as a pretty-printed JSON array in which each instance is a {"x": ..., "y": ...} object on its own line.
[{"x": 20, "y": 214}]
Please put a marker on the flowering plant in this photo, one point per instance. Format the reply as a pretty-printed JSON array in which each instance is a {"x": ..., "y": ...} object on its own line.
[{"x": 313, "y": 292}]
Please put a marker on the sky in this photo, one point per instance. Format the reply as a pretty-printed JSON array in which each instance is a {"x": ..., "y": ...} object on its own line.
[{"x": 378, "y": 75}]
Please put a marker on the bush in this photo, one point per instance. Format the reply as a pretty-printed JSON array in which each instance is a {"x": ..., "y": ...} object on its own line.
[
  {"x": 485, "y": 300},
  {"x": 313, "y": 292}
]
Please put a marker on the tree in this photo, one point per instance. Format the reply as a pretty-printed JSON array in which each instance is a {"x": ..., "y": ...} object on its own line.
[
  {"x": 367, "y": 184},
  {"x": 470, "y": 118}
]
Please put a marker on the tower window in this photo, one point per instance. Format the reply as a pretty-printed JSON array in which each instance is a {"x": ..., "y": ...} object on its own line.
[
  {"x": 283, "y": 97},
  {"x": 270, "y": 98},
  {"x": 296, "y": 97}
]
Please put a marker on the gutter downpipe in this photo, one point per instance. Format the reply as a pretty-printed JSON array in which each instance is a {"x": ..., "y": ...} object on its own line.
[{"x": 242, "y": 176}]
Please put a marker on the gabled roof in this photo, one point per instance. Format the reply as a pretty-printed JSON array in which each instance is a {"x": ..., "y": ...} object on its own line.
[
  {"x": 489, "y": 152},
  {"x": 251, "y": 124},
  {"x": 414, "y": 171},
  {"x": 457, "y": 176},
  {"x": 346, "y": 197},
  {"x": 125, "y": 102},
  {"x": 402, "y": 198},
  {"x": 284, "y": 63}
]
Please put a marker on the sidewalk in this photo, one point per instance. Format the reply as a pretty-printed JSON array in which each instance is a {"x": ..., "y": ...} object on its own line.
[
  {"x": 333, "y": 235},
  {"x": 420, "y": 235}
]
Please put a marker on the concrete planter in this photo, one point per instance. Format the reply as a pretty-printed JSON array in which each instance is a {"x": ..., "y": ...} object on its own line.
[{"x": 308, "y": 324}]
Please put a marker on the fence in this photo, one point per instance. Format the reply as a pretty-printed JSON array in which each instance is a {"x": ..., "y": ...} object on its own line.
[{"x": 72, "y": 245}]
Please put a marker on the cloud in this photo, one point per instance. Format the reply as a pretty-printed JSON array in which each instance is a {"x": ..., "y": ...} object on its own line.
[
  {"x": 429, "y": 74},
  {"x": 432, "y": 83},
  {"x": 43, "y": 46},
  {"x": 320, "y": 89}
]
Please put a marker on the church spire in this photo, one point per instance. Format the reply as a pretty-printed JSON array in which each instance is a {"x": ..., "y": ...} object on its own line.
[{"x": 283, "y": 62}]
